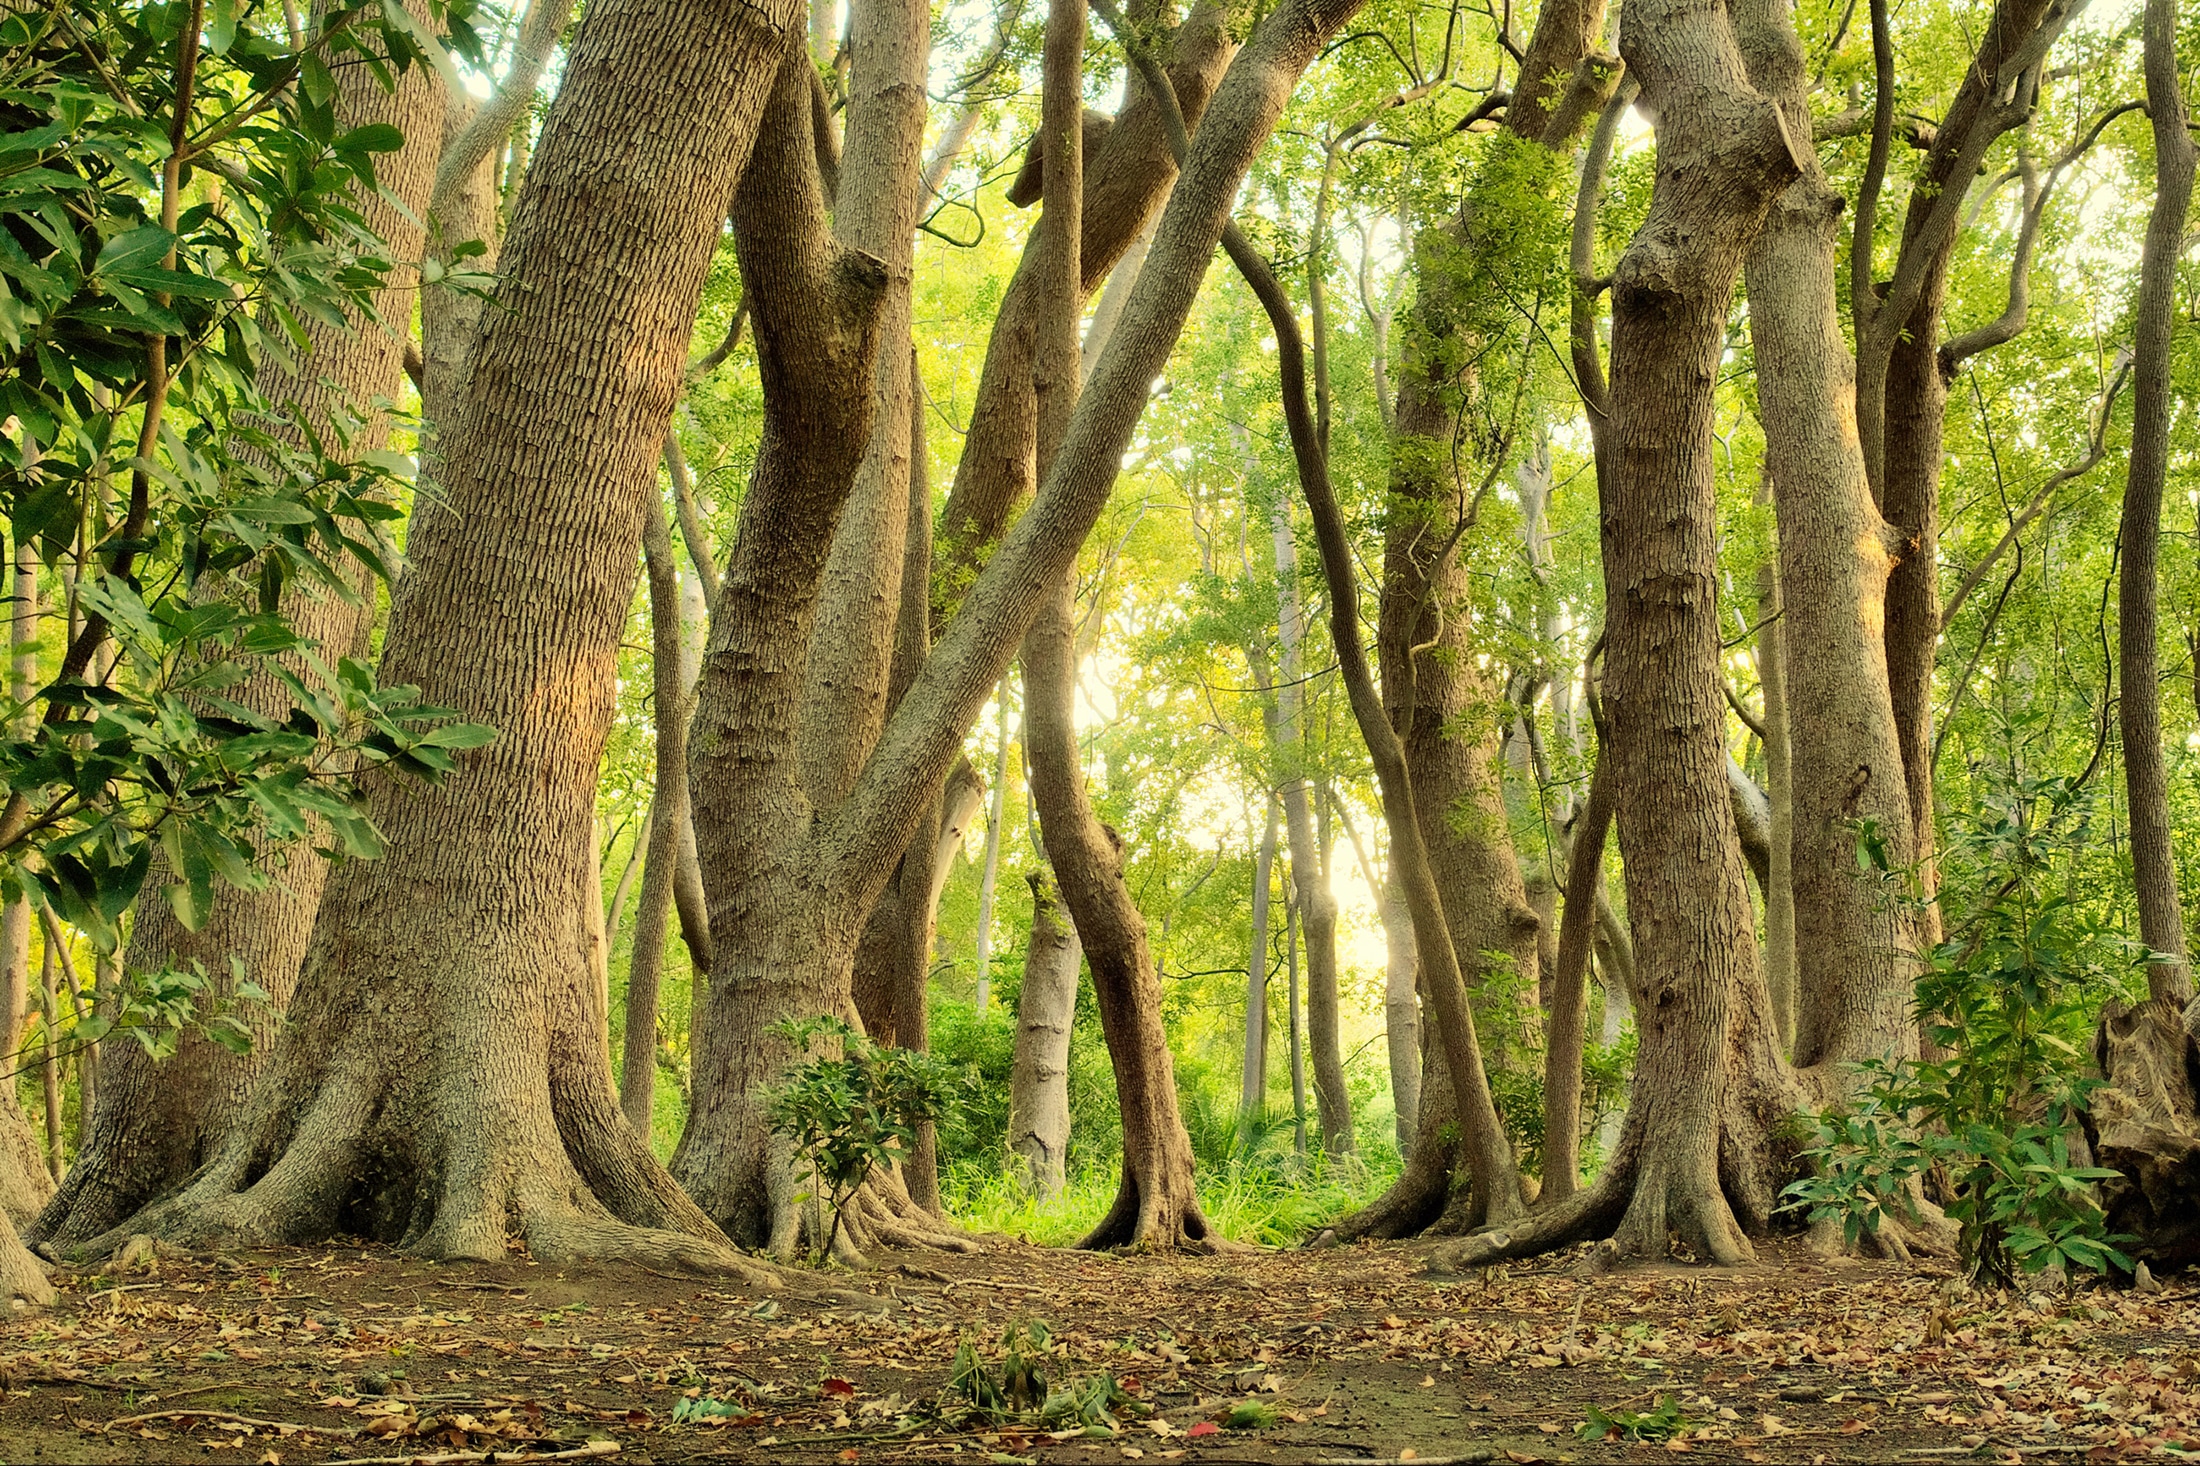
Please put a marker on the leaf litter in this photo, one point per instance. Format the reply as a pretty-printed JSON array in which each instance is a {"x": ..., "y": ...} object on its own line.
[{"x": 360, "y": 1355}]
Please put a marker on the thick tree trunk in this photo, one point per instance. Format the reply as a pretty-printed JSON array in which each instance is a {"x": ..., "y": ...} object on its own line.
[
  {"x": 156, "y": 1122},
  {"x": 1046, "y": 1007},
  {"x": 2154, "y": 870},
  {"x": 442, "y": 1082},
  {"x": 1401, "y": 1014},
  {"x": 673, "y": 697},
  {"x": 1854, "y": 945},
  {"x": 1695, "y": 1156}
]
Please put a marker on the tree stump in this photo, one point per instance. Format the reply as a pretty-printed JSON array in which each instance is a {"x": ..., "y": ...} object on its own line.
[{"x": 2144, "y": 1122}]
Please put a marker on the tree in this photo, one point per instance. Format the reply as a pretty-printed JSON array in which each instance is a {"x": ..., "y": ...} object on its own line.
[
  {"x": 790, "y": 886},
  {"x": 1695, "y": 1158},
  {"x": 442, "y": 1080}
]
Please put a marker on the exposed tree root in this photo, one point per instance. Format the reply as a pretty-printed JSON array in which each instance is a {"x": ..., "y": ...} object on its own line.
[
  {"x": 1155, "y": 1218},
  {"x": 23, "y": 1278}
]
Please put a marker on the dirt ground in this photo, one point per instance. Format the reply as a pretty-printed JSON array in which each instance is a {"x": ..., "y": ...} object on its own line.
[{"x": 353, "y": 1354}]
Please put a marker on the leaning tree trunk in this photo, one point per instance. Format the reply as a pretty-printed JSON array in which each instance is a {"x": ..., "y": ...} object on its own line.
[
  {"x": 442, "y": 1081},
  {"x": 25, "y": 1183},
  {"x": 155, "y": 1122},
  {"x": 1433, "y": 688},
  {"x": 1157, "y": 1204},
  {"x": 1566, "y": 1032},
  {"x": 1046, "y": 1009},
  {"x": 1695, "y": 1155},
  {"x": 1854, "y": 940},
  {"x": 1401, "y": 1015},
  {"x": 789, "y": 886}
]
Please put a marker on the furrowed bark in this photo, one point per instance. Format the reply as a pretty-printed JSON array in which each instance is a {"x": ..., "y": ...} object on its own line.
[
  {"x": 442, "y": 1082},
  {"x": 1694, "y": 1157},
  {"x": 1855, "y": 945},
  {"x": 156, "y": 1122}
]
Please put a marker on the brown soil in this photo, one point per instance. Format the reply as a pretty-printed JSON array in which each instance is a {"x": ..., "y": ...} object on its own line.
[{"x": 350, "y": 1354}]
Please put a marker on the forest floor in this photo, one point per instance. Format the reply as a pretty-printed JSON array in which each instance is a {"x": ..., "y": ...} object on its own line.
[{"x": 1363, "y": 1353}]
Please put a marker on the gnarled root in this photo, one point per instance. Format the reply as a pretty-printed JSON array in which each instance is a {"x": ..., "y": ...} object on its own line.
[{"x": 1155, "y": 1218}]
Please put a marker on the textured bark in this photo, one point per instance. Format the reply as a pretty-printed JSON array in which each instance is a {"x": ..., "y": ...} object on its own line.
[
  {"x": 2144, "y": 1121},
  {"x": 1780, "y": 788},
  {"x": 788, "y": 887},
  {"x": 24, "y": 1182},
  {"x": 2154, "y": 869},
  {"x": 442, "y": 1082},
  {"x": 672, "y": 684},
  {"x": 1046, "y": 1007},
  {"x": 1401, "y": 1014},
  {"x": 1695, "y": 1155},
  {"x": 1855, "y": 949},
  {"x": 1902, "y": 380},
  {"x": 156, "y": 1122}
]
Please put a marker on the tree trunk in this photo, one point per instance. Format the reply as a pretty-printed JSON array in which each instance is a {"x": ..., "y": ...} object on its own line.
[
  {"x": 989, "y": 878},
  {"x": 1695, "y": 1156},
  {"x": 157, "y": 1122},
  {"x": 673, "y": 698},
  {"x": 1126, "y": 179},
  {"x": 1854, "y": 943},
  {"x": 1038, "y": 1089},
  {"x": 442, "y": 1081},
  {"x": 788, "y": 885},
  {"x": 1780, "y": 786},
  {"x": 2154, "y": 868},
  {"x": 1566, "y": 1031},
  {"x": 1253, "y": 1078},
  {"x": 1401, "y": 1015},
  {"x": 24, "y": 1182},
  {"x": 1317, "y": 908}
]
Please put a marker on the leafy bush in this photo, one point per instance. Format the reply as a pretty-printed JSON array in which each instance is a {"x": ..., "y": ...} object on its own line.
[
  {"x": 2008, "y": 999},
  {"x": 850, "y": 1112}
]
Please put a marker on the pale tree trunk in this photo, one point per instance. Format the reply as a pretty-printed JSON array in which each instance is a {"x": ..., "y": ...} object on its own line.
[
  {"x": 442, "y": 1081},
  {"x": 1253, "y": 1061},
  {"x": 1854, "y": 941},
  {"x": 1046, "y": 1008},
  {"x": 1317, "y": 908},
  {"x": 789, "y": 886},
  {"x": 156, "y": 1122},
  {"x": 989, "y": 878},
  {"x": 672, "y": 684},
  {"x": 2154, "y": 869},
  {"x": 24, "y": 1184},
  {"x": 1401, "y": 1014},
  {"x": 1695, "y": 1156},
  {"x": 1780, "y": 786}
]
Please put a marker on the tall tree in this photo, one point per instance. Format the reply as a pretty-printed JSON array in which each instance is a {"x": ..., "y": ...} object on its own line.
[
  {"x": 1695, "y": 1156},
  {"x": 790, "y": 886},
  {"x": 157, "y": 1121},
  {"x": 442, "y": 1080},
  {"x": 2154, "y": 872}
]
